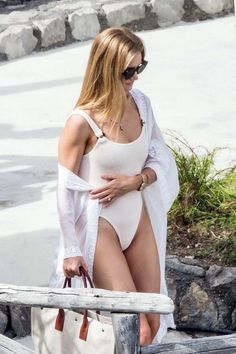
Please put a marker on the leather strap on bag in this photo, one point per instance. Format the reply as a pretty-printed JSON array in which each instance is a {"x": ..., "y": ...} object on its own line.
[
  {"x": 59, "y": 323},
  {"x": 85, "y": 324}
]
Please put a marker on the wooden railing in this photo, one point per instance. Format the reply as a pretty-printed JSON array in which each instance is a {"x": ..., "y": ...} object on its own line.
[{"x": 124, "y": 307}]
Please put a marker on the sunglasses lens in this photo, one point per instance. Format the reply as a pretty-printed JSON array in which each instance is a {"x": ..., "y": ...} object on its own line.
[
  {"x": 129, "y": 73},
  {"x": 141, "y": 67}
]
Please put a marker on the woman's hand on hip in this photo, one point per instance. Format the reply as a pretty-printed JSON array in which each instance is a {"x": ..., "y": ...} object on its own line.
[
  {"x": 71, "y": 266},
  {"x": 116, "y": 186}
]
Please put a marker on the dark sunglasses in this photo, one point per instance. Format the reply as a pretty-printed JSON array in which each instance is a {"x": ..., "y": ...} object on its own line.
[{"x": 129, "y": 72}]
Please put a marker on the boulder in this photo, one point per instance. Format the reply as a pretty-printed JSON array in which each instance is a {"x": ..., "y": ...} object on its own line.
[
  {"x": 84, "y": 24},
  {"x": 213, "y": 6},
  {"x": 3, "y": 322},
  {"x": 168, "y": 11},
  {"x": 72, "y": 6},
  {"x": 20, "y": 320},
  {"x": 52, "y": 31},
  {"x": 234, "y": 319},
  {"x": 174, "y": 264},
  {"x": 122, "y": 13},
  {"x": 17, "y": 41},
  {"x": 197, "y": 308},
  {"x": 16, "y": 18},
  {"x": 219, "y": 276}
]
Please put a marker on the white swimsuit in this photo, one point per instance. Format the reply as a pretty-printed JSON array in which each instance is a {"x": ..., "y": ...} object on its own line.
[{"x": 121, "y": 158}]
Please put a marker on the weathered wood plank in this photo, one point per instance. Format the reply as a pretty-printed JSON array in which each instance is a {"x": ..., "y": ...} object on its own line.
[
  {"x": 9, "y": 346},
  {"x": 93, "y": 299},
  {"x": 225, "y": 344},
  {"x": 126, "y": 331}
]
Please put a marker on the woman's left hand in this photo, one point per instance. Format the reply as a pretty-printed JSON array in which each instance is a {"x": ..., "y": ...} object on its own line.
[{"x": 117, "y": 185}]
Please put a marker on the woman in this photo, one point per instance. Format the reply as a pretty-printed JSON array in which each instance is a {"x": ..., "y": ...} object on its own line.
[{"x": 117, "y": 180}]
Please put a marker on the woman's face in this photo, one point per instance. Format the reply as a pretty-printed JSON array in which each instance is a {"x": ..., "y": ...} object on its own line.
[{"x": 128, "y": 84}]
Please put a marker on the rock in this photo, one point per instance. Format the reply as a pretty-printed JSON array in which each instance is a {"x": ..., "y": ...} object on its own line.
[
  {"x": 84, "y": 24},
  {"x": 52, "y": 30},
  {"x": 17, "y": 41},
  {"x": 3, "y": 322},
  {"x": 168, "y": 11},
  {"x": 229, "y": 5},
  {"x": 218, "y": 276},
  {"x": 10, "y": 333},
  {"x": 71, "y": 7},
  {"x": 122, "y": 13},
  {"x": 174, "y": 264},
  {"x": 192, "y": 261},
  {"x": 20, "y": 320},
  {"x": 197, "y": 309},
  {"x": 213, "y": 7},
  {"x": 16, "y": 18},
  {"x": 4, "y": 309},
  {"x": 234, "y": 319}
]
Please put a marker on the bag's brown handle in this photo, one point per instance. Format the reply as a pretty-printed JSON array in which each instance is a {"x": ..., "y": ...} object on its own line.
[
  {"x": 60, "y": 319},
  {"x": 85, "y": 324},
  {"x": 86, "y": 275}
]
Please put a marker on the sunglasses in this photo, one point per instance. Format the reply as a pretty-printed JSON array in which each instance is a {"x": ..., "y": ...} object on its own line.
[{"x": 129, "y": 72}]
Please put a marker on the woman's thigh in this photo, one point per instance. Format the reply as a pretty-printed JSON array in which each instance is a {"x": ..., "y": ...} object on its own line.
[
  {"x": 110, "y": 270},
  {"x": 143, "y": 260}
]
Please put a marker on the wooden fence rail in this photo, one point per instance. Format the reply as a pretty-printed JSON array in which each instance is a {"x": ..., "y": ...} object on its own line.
[
  {"x": 79, "y": 299},
  {"x": 9, "y": 346},
  {"x": 125, "y": 308}
]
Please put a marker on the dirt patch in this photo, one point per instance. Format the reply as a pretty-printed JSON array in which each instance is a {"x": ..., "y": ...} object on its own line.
[{"x": 208, "y": 245}]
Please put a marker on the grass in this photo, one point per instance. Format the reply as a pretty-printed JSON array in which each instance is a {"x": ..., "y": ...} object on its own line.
[{"x": 202, "y": 221}]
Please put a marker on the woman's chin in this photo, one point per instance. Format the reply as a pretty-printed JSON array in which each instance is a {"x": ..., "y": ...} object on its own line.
[{"x": 128, "y": 86}]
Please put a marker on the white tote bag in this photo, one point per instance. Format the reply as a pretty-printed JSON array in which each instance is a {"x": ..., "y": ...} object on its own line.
[{"x": 67, "y": 332}]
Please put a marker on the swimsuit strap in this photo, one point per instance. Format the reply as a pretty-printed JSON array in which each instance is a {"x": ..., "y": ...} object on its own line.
[{"x": 97, "y": 131}]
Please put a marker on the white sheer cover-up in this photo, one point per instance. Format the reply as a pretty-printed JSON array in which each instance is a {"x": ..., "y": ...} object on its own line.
[{"x": 78, "y": 214}]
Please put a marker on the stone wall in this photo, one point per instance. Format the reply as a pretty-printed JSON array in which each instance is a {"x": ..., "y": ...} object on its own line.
[
  {"x": 40, "y": 24},
  {"x": 204, "y": 297}
]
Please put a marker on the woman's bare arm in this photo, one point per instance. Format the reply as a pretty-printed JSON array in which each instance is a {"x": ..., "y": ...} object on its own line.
[
  {"x": 71, "y": 147},
  {"x": 72, "y": 143}
]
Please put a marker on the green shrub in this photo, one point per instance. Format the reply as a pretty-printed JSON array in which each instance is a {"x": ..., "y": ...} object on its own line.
[{"x": 207, "y": 199}]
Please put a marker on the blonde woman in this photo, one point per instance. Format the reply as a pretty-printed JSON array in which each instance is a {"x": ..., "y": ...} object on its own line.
[{"x": 117, "y": 180}]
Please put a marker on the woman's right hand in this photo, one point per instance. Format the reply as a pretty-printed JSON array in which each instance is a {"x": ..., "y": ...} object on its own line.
[{"x": 71, "y": 266}]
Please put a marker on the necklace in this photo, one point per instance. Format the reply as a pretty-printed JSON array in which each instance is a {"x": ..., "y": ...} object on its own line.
[
  {"x": 122, "y": 129},
  {"x": 120, "y": 126}
]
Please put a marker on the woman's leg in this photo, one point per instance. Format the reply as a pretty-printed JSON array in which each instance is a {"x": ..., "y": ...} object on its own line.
[
  {"x": 111, "y": 270},
  {"x": 143, "y": 261}
]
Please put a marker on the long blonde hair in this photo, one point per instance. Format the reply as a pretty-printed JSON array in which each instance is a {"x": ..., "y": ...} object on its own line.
[{"x": 102, "y": 88}]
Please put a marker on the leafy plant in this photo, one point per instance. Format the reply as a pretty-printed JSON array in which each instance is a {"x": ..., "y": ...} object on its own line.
[{"x": 207, "y": 199}]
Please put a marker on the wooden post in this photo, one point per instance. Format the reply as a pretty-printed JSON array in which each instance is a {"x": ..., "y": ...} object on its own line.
[{"x": 126, "y": 331}]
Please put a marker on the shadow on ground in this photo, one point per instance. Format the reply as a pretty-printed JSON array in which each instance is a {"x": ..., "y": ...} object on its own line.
[
  {"x": 13, "y": 89},
  {"x": 7, "y": 131},
  {"x": 24, "y": 179}
]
